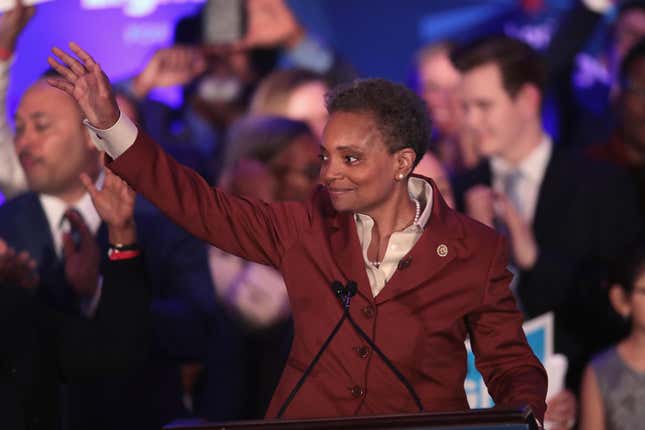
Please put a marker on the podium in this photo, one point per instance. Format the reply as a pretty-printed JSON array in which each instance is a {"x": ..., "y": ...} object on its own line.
[{"x": 479, "y": 419}]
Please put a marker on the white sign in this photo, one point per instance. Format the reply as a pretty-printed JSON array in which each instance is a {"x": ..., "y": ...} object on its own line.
[{"x": 539, "y": 334}]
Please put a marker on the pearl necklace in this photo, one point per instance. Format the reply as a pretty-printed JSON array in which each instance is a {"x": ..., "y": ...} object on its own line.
[{"x": 417, "y": 215}]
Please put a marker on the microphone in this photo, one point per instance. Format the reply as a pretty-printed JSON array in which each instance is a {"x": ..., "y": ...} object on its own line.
[
  {"x": 338, "y": 288},
  {"x": 348, "y": 292},
  {"x": 351, "y": 288}
]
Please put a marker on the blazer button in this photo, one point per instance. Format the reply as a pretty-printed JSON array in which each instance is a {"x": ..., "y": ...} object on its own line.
[
  {"x": 368, "y": 311},
  {"x": 362, "y": 351},
  {"x": 357, "y": 391}
]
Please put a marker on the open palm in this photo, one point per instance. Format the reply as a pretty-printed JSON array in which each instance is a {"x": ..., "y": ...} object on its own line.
[
  {"x": 114, "y": 202},
  {"x": 84, "y": 80}
]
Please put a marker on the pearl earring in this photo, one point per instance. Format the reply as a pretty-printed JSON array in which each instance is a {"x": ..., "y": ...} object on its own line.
[{"x": 399, "y": 176}]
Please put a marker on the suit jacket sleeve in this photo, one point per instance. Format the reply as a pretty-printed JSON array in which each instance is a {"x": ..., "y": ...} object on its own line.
[
  {"x": 116, "y": 339},
  {"x": 250, "y": 229},
  {"x": 566, "y": 276},
  {"x": 512, "y": 373}
]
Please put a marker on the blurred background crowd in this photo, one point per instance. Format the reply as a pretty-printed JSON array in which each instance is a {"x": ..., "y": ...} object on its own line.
[{"x": 538, "y": 114}]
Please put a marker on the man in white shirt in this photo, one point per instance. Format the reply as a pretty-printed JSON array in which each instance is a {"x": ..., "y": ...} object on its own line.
[
  {"x": 54, "y": 150},
  {"x": 565, "y": 217}
]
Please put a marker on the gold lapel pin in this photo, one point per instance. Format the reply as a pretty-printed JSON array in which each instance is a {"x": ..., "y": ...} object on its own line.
[{"x": 442, "y": 250}]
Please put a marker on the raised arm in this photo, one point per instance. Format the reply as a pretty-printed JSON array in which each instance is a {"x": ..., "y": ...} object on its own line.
[
  {"x": 12, "y": 23},
  {"x": 251, "y": 229}
]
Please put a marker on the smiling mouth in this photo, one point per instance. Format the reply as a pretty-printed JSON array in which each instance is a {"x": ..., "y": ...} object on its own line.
[{"x": 339, "y": 190}]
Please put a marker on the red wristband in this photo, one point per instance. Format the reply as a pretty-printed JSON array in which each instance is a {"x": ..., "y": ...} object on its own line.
[{"x": 123, "y": 255}]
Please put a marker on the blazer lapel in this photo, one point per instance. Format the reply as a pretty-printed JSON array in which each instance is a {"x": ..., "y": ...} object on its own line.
[
  {"x": 40, "y": 242},
  {"x": 439, "y": 245},
  {"x": 346, "y": 250},
  {"x": 554, "y": 196}
]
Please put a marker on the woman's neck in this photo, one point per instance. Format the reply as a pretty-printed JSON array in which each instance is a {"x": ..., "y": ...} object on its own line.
[
  {"x": 632, "y": 350},
  {"x": 395, "y": 214}
]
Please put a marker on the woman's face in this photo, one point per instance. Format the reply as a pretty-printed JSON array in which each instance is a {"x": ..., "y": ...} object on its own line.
[{"x": 357, "y": 167}]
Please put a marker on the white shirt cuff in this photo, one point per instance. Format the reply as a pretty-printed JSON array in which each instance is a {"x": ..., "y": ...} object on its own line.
[
  {"x": 88, "y": 306},
  {"x": 116, "y": 139},
  {"x": 598, "y": 6}
]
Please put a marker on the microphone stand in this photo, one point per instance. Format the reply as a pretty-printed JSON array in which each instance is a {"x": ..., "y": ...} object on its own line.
[{"x": 345, "y": 293}]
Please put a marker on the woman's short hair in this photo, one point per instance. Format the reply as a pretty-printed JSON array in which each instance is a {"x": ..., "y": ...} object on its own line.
[{"x": 400, "y": 115}]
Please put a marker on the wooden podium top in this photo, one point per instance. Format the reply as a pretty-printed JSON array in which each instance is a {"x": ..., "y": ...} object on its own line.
[{"x": 480, "y": 419}]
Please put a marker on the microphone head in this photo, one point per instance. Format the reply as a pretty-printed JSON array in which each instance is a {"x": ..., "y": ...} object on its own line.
[
  {"x": 351, "y": 288},
  {"x": 337, "y": 288}
]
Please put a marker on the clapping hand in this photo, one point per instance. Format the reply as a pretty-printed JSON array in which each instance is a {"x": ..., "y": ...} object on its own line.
[
  {"x": 85, "y": 81},
  {"x": 17, "y": 268},
  {"x": 114, "y": 203},
  {"x": 523, "y": 244}
]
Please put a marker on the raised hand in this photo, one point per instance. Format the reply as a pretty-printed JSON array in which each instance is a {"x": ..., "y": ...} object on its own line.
[
  {"x": 12, "y": 22},
  {"x": 17, "y": 268},
  {"x": 115, "y": 205},
  {"x": 84, "y": 80},
  {"x": 177, "y": 65},
  {"x": 271, "y": 23}
]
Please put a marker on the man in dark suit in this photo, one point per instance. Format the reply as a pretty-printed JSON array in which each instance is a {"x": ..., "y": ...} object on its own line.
[
  {"x": 42, "y": 348},
  {"x": 565, "y": 217},
  {"x": 54, "y": 149}
]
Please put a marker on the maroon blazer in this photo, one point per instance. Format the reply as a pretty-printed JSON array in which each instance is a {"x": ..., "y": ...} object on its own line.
[{"x": 419, "y": 320}]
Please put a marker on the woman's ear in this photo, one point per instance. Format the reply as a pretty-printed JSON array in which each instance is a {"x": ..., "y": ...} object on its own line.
[
  {"x": 620, "y": 301},
  {"x": 405, "y": 161}
]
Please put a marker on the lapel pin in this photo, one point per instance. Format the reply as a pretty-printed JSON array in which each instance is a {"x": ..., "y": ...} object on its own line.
[
  {"x": 405, "y": 263},
  {"x": 442, "y": 250}
]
